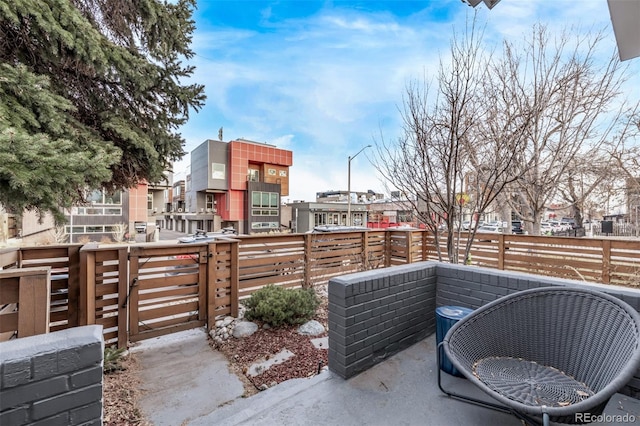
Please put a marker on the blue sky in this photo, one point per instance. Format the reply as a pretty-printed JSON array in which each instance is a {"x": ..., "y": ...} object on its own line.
[{"x": 324, "y": 79}]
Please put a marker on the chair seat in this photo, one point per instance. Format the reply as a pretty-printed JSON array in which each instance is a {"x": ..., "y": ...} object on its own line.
[{"x": 530, "y": 383}]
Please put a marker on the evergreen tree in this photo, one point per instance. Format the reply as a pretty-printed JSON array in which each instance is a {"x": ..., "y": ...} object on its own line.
[{"x": 92, "y": 93}]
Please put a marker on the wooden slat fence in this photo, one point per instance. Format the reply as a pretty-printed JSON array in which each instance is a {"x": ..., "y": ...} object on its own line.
[
  {"x": 9, "y": 258},
  {"x": 103, "y": 291},
  {"x": 608, "y": 261},
  {"x": 24, "y": 297},
  {"x": 64, "y": 261},
  {"x": 335, "y": 253},
  {"x": 223, "y": 280},
  {"x": 144, "y": 291},
  {"x": 264, "y": 260}
]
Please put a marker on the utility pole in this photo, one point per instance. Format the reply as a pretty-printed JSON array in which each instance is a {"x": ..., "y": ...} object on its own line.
[{"x": 349, "y": 185}]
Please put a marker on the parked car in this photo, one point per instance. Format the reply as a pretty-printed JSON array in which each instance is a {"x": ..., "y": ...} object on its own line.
[
  {"x": 495, "y": 223},
  {"x": 493, "y": 229},
  {"x": 336, "y": 228},
  {"x": 201, "y": 235},
  {"x": 517, "y": 227}
]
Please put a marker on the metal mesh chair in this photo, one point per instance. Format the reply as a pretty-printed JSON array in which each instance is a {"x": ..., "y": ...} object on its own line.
[{"x": 550, "y": 352}]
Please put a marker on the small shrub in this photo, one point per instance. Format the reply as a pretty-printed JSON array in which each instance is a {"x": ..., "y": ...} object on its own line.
[
  {"x": 277, "y": 306},
  {"x": 112, "y": 359}
]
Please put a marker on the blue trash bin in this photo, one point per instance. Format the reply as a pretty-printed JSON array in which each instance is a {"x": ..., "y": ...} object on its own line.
[{"x": 446, "y": 317}]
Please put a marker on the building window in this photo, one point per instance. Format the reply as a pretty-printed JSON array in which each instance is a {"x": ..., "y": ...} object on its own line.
[
  {"x": 358, "y": 219},
  {"x": 217, "y": 171},
  {"x": 319, "y": 219},
  {"x": 210, "y": 202},
  {"x": 149, "y": 201},
  {"x": 254, "y": 175},
  {"x": 100, "y": 197},
  {"x": 97, "y": 211},
  {"x": 265, "y": 203},
  {"x": 405, "y": 216},
  {"x": 265, "y": 225}
]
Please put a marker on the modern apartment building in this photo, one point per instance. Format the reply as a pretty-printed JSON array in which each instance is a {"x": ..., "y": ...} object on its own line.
[
  {"x": 307, "y": 215},
  {"x": 236, "y": 184},
  {"x": 104, "y": 211}
]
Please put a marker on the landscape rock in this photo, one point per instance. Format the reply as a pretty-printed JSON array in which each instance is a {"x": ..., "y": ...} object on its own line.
[
  {"x": 311, "y": 328},
  {"x": 244, "y": 329}
]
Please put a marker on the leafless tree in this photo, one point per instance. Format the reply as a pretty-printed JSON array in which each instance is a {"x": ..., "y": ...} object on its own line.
[
  {"x": 458, "y": 144},
  {"x": 598, "y": 174},
  {"x": 576, "y": 108}
]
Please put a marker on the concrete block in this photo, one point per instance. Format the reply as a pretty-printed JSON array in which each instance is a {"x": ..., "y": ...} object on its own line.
[
  {"x": 82, "y": 415},
  {"x": 86, "y": 377},
  {"x": 45, "y": 366},
  {"x": 371, "y": 322},
  {"x": 33, "y": 391},
  {"x": 361, "y": 317},
  {"x": 15, "y": 416},
  {"x": 60, "y": 419},
  {"x": 15, "y": 372},
  {"x": 67, "y": 401},
  {"x": 364, "y": 297}
]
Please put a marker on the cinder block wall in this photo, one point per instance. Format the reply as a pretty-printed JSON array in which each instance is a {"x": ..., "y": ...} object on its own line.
[
  {"x": 52, "y": 379},
  {"x": 374, "y": 314},
  {"x": 472, "y": 286}
]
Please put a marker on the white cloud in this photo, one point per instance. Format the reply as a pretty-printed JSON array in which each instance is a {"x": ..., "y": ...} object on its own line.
[{"x": 323, "y": 85}]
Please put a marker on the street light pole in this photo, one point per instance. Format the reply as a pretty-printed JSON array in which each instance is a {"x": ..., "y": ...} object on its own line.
[{"x": 349, "y": 184}]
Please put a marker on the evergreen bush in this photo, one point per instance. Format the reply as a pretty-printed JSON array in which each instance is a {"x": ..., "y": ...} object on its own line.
[
  {"x": 277, "y": 306},
  {"x": 113, "y": 359}
]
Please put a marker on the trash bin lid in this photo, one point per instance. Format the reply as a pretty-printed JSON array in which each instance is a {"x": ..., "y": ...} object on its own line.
[{"x": 453, "y": 312}]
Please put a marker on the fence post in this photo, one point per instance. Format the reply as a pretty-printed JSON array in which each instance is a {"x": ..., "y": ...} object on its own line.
[
  {"x": 387, "y": 248},
  {"x": 423, "y": 241},
  {"x": 234, "y": 264},
  {"x": 364, "y": 242},
  {"x": 606, "y": 261},
  {"x": 307, "y": 260},
  {"x": 132, "y": 291},
  {"x": 501, "y": 251},
  {"x": 408, "y": 243},
  {"x": 73, "y": 285},
  {"x": 33, "y": 301},
  {"x": 87, "y": 303},
  {"x": 123, "y": 288}
]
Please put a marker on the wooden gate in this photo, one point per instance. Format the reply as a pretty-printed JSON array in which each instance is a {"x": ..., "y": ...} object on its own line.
[
  {"x": 166, "y": 289},
  {"x": 175, "y": 288}
]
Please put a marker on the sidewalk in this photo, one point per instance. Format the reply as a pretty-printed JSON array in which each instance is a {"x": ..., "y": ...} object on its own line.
[{"x": 183, "y": 378}]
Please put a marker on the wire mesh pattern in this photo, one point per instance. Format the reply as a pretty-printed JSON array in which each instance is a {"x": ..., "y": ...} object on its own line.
[
  {"x": 529, "y": 382},
  {"x": 570, "y": 341}
]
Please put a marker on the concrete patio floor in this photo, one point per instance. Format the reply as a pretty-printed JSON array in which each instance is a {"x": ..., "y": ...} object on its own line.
[{"x": 186, "y": 382}]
